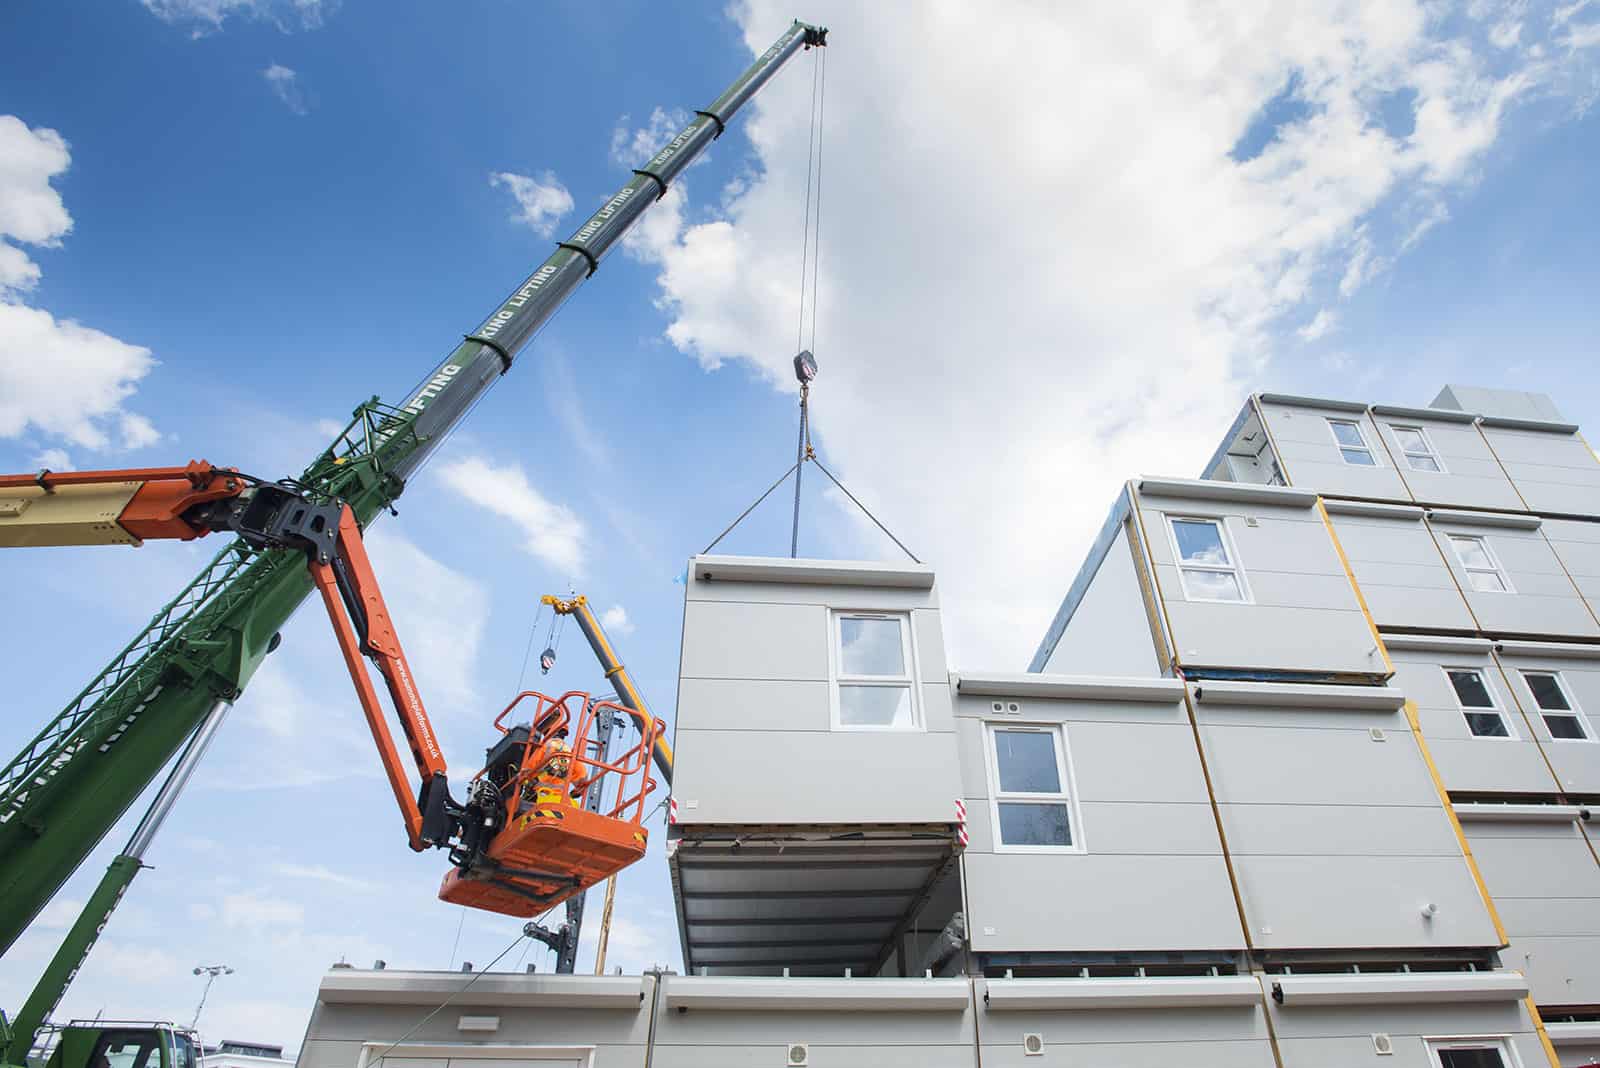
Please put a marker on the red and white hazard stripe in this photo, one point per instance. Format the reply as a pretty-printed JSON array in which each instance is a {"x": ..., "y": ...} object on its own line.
[
  {"x": 672, "y": 810},
  {"x": 961, "y": 823}
]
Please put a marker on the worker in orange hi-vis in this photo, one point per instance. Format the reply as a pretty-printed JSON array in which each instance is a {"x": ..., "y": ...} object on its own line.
[{"x": 551, "y": 784}]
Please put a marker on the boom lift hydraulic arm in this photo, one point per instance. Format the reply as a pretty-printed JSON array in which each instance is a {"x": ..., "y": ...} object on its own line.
[{"x": 72, "y": 508}]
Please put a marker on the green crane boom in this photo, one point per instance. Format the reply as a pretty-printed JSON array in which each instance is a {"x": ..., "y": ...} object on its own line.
[{"x": 69, "y": 785}]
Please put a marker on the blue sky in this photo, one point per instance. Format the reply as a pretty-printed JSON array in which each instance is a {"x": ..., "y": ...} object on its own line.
[{"x": 1053, "y": 258}]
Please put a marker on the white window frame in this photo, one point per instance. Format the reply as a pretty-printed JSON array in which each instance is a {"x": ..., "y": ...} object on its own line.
[
  {"x": 1069, "y": 786},
  {"x": 908, "y": 655},
  {"x": 1495, "y": 567},
  {"x": 1361, "y": 433},
  {"x": 1494, "y": 705},
  {"x": 1572, "y": 706},
  {"x": 1500, "y": 1043},
  {"x": 1234, "y": 568},
  {"x": 1428, "y": 450}
]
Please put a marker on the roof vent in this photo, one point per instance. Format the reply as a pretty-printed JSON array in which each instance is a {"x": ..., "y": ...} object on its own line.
[{"x": 799, "y": 1055}]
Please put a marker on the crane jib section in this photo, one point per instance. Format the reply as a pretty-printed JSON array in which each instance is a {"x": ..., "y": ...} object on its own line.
[{"x": 446, "y": 395}]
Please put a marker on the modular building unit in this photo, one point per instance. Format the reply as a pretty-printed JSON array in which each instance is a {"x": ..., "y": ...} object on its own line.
[
  {"x": 816, "y": 793},
  {"x": 1232, "y": 580},
  {"x": 1538, "y": 862},
  {"x": 1476, "y": 734},
  {"x": 1090, "y": 786},
  {"x": 1338, "y": 834}
]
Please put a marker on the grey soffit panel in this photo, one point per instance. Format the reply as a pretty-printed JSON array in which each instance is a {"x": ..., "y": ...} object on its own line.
[
  {"x": 760, "y": 993},
  {"x": 1443, "y": 415},
  {"x": 1002, "y": 995},
  {"x": 1513, "y": 520},
  {"x": 755, "y": 901},
  {"x": 1312, "y": 402},
  {"x": 1299, "y": 695},
  {"x": 812, "y": 572},
  {"x": 358, "y": 987},
  {"x": 1438, "y": 643},
  {"x": 1371, "y": 509},
  {"x": 1413, "y": 989},
  {"x": 1245, "y": 492},
  {"x": 1567, "y": 1034},
  {"x": 1489, "y": 812},
  {"x": 1081, "y": 687},
  {"x": 1542, "y": 650},
  {"x": 1528, "y": 424}
]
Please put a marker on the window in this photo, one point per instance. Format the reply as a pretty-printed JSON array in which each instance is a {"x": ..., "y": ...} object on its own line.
[
  {"x": 1417, "y": 449},
  {"x": 873, "y": 684},
  {"x": 1483, "y": 572},
  {"x": 1028, "y": 780},
  {"x": 1352, "y": 442},
  {"x": 1205, "y": 560},
  {"x": 1563, "y": 720},
  {"x": 1477, "y": 705},
  {"x": 1469, "y": 1053}
]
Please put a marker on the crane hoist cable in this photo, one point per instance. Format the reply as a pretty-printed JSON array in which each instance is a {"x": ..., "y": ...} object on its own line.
[
  {"x": 805, "y": 368},
  {"x": 805, "y": 364}
]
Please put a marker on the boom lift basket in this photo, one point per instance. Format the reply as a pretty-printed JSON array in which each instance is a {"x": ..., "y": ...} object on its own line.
[{"x": 560, "y": 830}]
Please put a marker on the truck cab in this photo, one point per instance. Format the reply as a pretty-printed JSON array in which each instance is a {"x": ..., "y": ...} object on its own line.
[{"x": 123, "y": 1044}]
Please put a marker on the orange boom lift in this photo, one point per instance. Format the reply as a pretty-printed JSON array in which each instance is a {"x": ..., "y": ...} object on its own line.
[{"x": 550, "y": 815}]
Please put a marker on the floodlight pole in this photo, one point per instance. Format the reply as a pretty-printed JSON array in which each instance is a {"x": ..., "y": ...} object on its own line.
[{"x": 210, "y": 971}]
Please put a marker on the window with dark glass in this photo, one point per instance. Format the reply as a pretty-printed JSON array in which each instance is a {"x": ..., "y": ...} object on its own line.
[
  {"x": 1561, "y": 717},
  {"x": 1477, "y": 704}
]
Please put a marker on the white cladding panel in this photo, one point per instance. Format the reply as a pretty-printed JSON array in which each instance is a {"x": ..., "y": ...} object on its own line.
[
  {"x": 1553, "y": 471},
  {"x": 756, "y": 741},
  {"x": 1231, "y": 1036},
  {"x": 1337, "y": 832},
  {"x": 1109, "y": 633},
  {"x": 1471, "y": 476},
  {"x": 546, "y": 1030},
  {"x": 738, "y": 1038},
  {"x": 1303, "y": 614},
  {"x": 1405, "y": 581},
  {"x": 1541, "y": 599},
  {"x": 1466, "y": 763},
  {"x": 1150, "y": 875},
  {"x": 1339, "y": 1036},
  {"x": 1577, "y": 546},
  {"x": 1311, "y": 458},
  {"x": 1546, "y": 881},
  {"x": 1576, "y": 762}
]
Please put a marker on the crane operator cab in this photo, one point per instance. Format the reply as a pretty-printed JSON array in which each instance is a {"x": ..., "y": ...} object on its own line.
[{"x": 552, "y": 813}]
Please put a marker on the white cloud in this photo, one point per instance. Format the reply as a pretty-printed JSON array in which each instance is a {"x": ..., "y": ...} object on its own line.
[
  {"x": 439, "y": 613},
  {"x": 285, "y": 85},
  {"x": 31, "y": 211},
  {"x": 1319, "y": 325},
  {"x": 632, "y": 146},
  {"x": 1086, "y": 289},
  {"x": 207, "y": 16},
  {"x": 252, "y": 909},
  {"x": 58, "y": 378},
  {"x": 319, "y": 874},
  {"x": 59, "y": 914},
  {"x": 541, "y": 201},
  {"x": 53, "y": 459},
  {"x": 553, "y": 532},
  {"x": 615, "y": 619}
]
